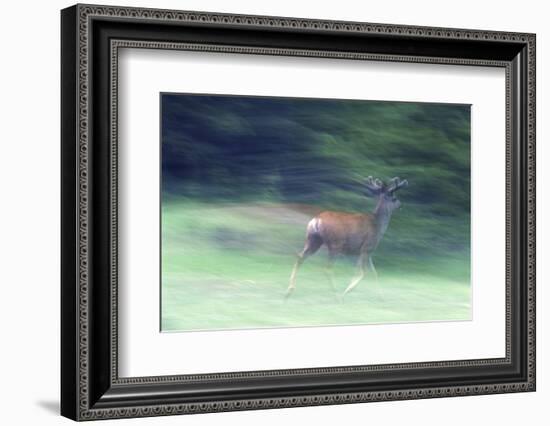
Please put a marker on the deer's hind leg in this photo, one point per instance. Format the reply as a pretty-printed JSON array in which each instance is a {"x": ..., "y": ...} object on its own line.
[{"x": 313, "y": 243}]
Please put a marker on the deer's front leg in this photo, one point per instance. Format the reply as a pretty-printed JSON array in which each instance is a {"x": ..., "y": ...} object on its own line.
[
  {"x": 373, "y": 270},
  {"x": 329, "y": 271},
  {"x": 363, "y": 258},
  {"x": 377, "y": 283}
]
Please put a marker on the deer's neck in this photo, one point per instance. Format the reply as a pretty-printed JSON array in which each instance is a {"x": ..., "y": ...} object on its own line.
[{"x": 382, "y": 217}]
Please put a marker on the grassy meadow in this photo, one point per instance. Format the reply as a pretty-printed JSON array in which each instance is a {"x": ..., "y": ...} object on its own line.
[
  {"x": 242, "y": 177},
  {"x": 226, "y": 266}
]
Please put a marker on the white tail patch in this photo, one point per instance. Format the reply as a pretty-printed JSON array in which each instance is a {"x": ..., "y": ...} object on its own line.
[{"x": 314, "y": 226}]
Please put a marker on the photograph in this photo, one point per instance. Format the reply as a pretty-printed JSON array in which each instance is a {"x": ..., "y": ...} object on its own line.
[
  {"x": 268, "y": 207},
  {"x": 296, "y": 212}
]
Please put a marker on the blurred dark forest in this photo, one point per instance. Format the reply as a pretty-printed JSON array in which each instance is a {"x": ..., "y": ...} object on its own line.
[{"x": 312, "y": 151}]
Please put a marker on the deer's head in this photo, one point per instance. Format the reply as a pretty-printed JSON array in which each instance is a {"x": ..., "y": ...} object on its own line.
[{"x": 385, "y": 192}]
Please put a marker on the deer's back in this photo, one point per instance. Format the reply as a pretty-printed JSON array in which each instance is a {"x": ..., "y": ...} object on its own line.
[{"x": 345, "y": 232}]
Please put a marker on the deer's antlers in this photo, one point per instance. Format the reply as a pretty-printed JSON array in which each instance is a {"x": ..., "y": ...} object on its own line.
[
  {"x": 376, "y": 186},
  {"x": 395, "y": 184}
]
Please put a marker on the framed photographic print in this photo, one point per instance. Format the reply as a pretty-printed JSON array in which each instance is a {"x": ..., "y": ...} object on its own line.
[{"x": 263, "y": 212}]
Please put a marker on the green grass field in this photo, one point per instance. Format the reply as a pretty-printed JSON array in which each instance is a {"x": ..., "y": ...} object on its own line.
[{"x": 226, "y": 266}]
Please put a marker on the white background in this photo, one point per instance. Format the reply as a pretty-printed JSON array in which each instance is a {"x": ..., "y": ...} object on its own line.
[
  {"x": 29, "y": 229},
  {"x": 146, "y": 352}
]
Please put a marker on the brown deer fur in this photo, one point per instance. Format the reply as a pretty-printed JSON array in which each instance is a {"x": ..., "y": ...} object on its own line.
[{"x": 351, "y": 233}]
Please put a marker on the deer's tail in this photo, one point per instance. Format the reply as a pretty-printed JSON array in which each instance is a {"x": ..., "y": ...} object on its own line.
[
  {"x": 314, "y": 227},
  {"x": 313, "y": 237}
]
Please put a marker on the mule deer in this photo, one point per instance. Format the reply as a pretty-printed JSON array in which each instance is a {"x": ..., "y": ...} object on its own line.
[{"x": 351, "y": 233}]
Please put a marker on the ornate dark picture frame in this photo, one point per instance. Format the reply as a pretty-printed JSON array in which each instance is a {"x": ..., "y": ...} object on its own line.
[{"x": 90, "y": 385}]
